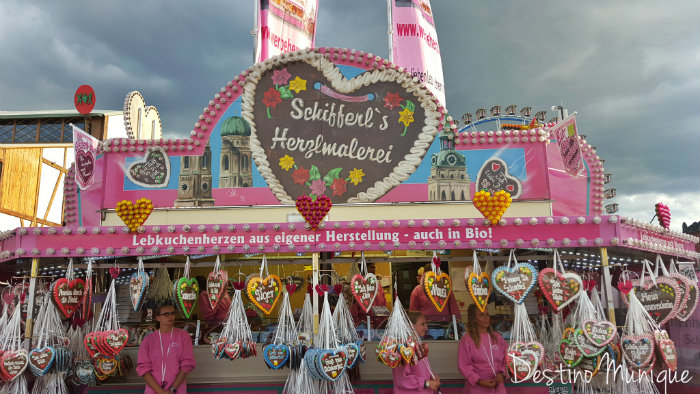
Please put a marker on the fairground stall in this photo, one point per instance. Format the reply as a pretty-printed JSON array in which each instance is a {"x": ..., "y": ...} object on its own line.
[{"x": 331, "y": 175}]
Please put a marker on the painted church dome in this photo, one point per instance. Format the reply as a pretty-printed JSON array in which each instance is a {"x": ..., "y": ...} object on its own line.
[{"x": 235, "y": 125}]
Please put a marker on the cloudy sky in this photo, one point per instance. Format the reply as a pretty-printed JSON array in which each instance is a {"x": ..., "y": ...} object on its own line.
[{"x": 630, "y": 68}]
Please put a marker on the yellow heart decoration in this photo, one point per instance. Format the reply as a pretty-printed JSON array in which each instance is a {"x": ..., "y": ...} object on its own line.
[
  {"x": 134, "y": 215},
  {"x": 437, "y": 288},
  {"x": 264, "y": 292},
  {"x": 480, "y": 289},
  {"x": 493, "y": 208}
]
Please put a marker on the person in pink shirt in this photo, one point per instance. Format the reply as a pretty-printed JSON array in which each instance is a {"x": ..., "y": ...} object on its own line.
[
  {"x": 166, "y": 356},
  {"x": 421, "y": 303},
  {"x": 482, "y": 355},
  {"x": 213, "y": 317},
  {"x": 413, "y": 379}
]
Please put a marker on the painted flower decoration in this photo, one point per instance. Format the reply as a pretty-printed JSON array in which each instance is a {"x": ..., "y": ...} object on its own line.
[
  {"x": 271, "y": 98},
  {"x": 287, "y": 162},
  {"x": 392, "y": 100},
  {"x": 300, "y": 175},
  {"x": 406, "y": 118},
  {"x": 318, "y": 187},
  {"x": 281, "y": 77},
  {"x": 339, "y": 186},
  {"x": 297, "y": 84},
  {"x": 356, "y": 176}
]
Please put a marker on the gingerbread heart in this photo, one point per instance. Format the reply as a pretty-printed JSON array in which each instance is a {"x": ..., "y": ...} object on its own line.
[
  {"x": 522, "y": 364},
  {"x": 186, "y": 291},
  {"x": 668, "y": 352},
  {"x": 591, "y": 365},
  {"x": 390, "y": 358},
  {"x": 233, "y": 350},
  {"x": 638, "y": 350},
  {"x": 87, "y": 298},
  {"x": 532, "y": 346},
  {"x": 41, "y": 360},
  {"x": 514, "y": 283},
  {"x": 313, "y": 210},
  {"x": 406, "y": 353},
  {"x": 138, "y": 287},
  {"x": 307, "y": 123},
  {"x": 599, "y": 333},
  {"x": 688, "y": 293},
  {"x": 89, "y": 342},
  {"x": 331, "y": 364},
  {"x": 106, "y": 365},
  {"x": 153, "y": 171},
  {"x": 134, "y": 215},
  {"x": 264, "y": 293},
  {"x": 364, "y": 289},
  {"x": 114, "y": 341},
  {"x": 570, "y": 354},
  {"x": 661, "y": 301},
  {"x": 559, "y": 289},
  {"x": 275, "y": 355},
  {"x": 588, "y": 348},
  {"x": 68, "y": 296},
  {"x": 438, "y": 289},
  {"x": 13, "y": 363},
  {"x": 494, "y": 176},
  {"x": 479, "y": 288},
  {"x": 352, "y": 350},
  {"x": 216, "y": 286}
]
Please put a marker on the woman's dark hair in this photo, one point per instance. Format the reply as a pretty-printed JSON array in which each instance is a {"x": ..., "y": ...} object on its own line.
[
  {"x": 414, "y": 315},
  {"x": 472, "y": 329}
]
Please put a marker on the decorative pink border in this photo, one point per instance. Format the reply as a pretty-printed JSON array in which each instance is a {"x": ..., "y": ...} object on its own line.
[{"x": 459, "y": 233}]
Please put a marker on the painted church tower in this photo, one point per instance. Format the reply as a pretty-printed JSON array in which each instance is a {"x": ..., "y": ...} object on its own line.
[
  {"x": 194, "y": 185},
  {"x": 236, "y": 164},
  {"x": 448, "y": 180}
]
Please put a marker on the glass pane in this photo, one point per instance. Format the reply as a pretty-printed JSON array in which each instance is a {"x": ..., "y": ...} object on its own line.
[
  {"x": 25, "y": 132},
  {"x": 68, "y": 130},
  {"x": 6, "y": 132},
  {"x": 50, "y": 131}
]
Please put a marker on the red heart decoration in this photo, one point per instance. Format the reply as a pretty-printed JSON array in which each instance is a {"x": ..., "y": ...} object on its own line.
[
  {"x": 68, "y": 296},
  {"x": 337, "y": 288},
  {"x": 321, "y": 289},
  {"x": 313, "y": 211},
  {"x": 238, "y": 285},
  {"x": 663, "y": 214},
  {"x": 114, "y": 272},
  {"x": 495, "y": 166},
  {"x": 291, "y": 288},
  {"x": 625, "y": 286}
]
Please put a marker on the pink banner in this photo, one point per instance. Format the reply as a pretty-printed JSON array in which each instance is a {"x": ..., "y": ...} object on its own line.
[
  {"x": 285, "y": 26},
  {"x": 415, "y": 44},
  {"x": 85, "y": 155}
]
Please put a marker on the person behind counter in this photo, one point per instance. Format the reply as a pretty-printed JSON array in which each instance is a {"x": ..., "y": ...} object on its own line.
[
  {"x": 356, "y": 311},
  {"x": 410, "y": 379},
  {"x": 482, "y": 355},
  {"x": 166, "y": 356},
  {"x": 421, "y": 303},
  {"x": 213, "y": 317}
]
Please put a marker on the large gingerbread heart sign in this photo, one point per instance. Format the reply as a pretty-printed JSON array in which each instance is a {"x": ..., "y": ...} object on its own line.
[
  {"x": 264, "y": 293},
  {"x": 311, "y": 127},
  {"x": 364, "y": 288},
  {"x": 153, "y": 171},
  {"x": 661, "y": 300},
  {"x": 559, "y": 289},
  {"x": 68, "y": 295},
  {"x": 438, "y": 289}
]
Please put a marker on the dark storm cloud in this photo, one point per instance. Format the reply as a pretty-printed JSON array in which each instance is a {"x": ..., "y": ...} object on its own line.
[{"x": 630, "y": 68}]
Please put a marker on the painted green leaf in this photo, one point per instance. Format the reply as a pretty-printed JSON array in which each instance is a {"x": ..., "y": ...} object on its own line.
[
  {"x": 332, "y": 174},
  {"x": 314, "y": 173},
  {"x": 285, "y": 93},
  {"x": 410, "y": 106}
]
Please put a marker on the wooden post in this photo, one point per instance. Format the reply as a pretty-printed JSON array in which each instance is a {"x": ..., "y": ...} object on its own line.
[
  {"x": 30, "y": 305},
  {"x": 607, "y": 284},
  {"x": 314, "y": 283}
]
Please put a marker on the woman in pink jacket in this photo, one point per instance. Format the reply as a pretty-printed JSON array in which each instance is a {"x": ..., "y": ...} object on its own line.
[
  {"x": 410, "y": 379},
  {"x": 166, "y": 356},
  {"x": 482, "y": 355}
]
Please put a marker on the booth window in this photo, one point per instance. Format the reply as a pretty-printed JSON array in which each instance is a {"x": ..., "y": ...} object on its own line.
[{"x": 6, "y": 130}]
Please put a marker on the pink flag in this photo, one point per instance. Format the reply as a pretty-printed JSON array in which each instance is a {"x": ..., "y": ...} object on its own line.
[
  {"x": 285, "y": 26},
  {"x": 415, "y": 44},
  {"x": 85, "y": 154},
  {"x": 566, "y": 134}
]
